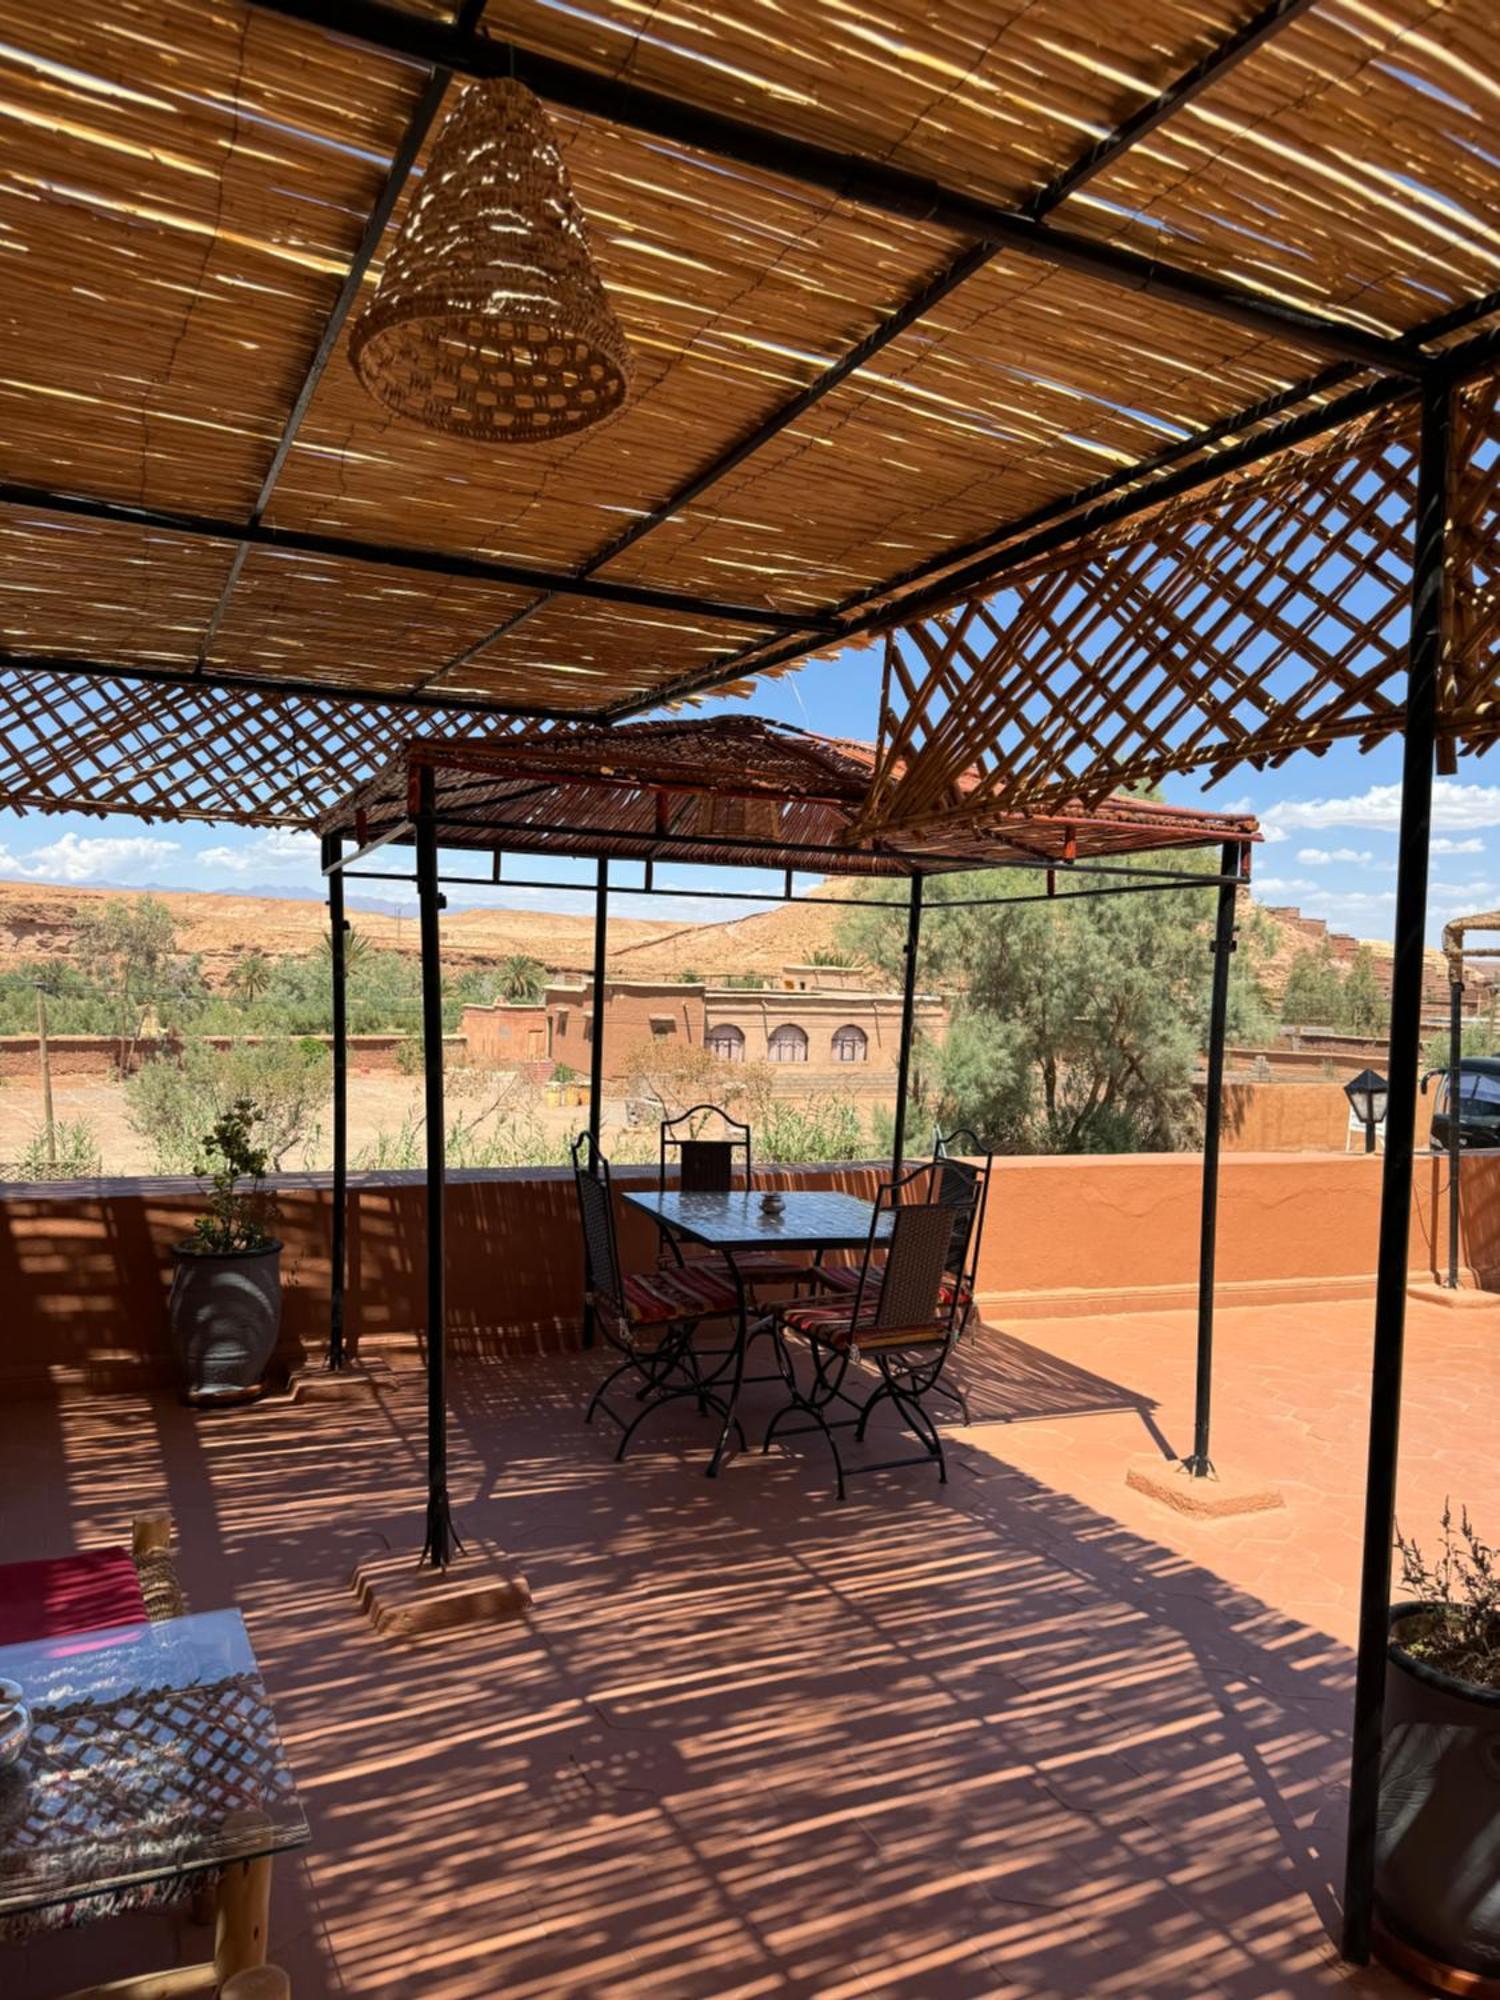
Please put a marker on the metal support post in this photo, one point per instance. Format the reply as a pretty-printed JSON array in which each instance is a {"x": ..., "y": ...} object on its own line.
[
  {"x": 1200, "y": 1464},
  {"x": 908, "y": 1019},
  {"x": 339, "y": 1022},
  {"x": 1423, "y": 668},
  {"x": 441, "y": 1542}
]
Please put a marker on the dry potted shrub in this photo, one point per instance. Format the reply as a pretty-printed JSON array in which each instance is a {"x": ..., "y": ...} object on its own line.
[
  {"x": 225, "y": 1304},
  {"x": 1438, "y": 1865}
]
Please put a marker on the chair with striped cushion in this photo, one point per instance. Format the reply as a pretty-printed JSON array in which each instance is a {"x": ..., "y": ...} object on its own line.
[
  {"x": 709, "y": 1148},
  {"x": 649, "y": 1319},
  {"x": 963, "y": 1164},
  {"x": 902, "y": 1315}
]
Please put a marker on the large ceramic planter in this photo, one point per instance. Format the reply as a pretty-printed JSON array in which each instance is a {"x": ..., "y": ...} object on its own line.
[
  {"x": 225, "y": 1314},
  {"x": 1437, "y": 1874}
]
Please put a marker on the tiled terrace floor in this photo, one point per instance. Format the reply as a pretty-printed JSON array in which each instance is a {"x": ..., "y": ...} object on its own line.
[{"x": 1021, "y": 1737}]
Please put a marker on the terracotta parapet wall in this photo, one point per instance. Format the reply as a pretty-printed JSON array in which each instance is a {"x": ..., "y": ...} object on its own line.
[{"x": 84, "y": 1266}]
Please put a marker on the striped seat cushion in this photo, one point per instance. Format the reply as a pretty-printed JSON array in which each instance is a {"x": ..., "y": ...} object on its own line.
[
  {"x": 835, "y": 1326},
  {"x": 652, "y": 1298},
  {"x": 844, "y": 1280},
  {"x": 760, "y": 1267}
]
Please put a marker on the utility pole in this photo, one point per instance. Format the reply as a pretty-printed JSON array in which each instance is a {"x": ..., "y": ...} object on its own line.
[{"x": 49, "y": 1123}]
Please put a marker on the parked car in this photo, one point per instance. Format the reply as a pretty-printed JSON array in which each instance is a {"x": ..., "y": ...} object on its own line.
[{"x": 1479, "y": 1104}]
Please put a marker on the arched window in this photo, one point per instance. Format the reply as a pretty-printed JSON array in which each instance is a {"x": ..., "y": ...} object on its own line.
[
  {"x": 726, "y": 1042},
  {"x": 851, "y": 1044},
  {"x": 788, "y": 1044}
]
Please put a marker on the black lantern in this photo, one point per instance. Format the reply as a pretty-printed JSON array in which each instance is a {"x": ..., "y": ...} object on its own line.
[{"x": 1367, "y": 1094}]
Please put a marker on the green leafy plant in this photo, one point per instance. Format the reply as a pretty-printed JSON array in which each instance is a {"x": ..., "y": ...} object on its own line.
[
  {"x": 166, "y": 1100},
  {"x": 1462, "y": 1638},
  {"x": 76, "y": 1155},
  {"x": 235, "y": 1165}
]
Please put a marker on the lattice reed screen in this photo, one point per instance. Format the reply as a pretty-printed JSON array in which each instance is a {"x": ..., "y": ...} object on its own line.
[
  {"x": 160, "y": 752},
  {"x": 1236, "y": 627}
]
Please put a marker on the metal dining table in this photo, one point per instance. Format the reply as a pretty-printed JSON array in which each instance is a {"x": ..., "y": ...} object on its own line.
[{"x": 737, "y": 1224}]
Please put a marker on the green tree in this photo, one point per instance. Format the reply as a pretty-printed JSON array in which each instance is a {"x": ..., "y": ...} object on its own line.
[
  {"x": 1313, "y": 995},
  {"x": 128, "y": 950},
  {"x": 171, "y": 1102},
  {"x": 521, "y": 979},
  {"x": 1363, "y": 1009},
  {"x": 1077, "y": 1025},
  {"x": 250, "y": 976}
]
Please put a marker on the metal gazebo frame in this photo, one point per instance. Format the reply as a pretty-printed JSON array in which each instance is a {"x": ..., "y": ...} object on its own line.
[{"x": 736, "y": 793}]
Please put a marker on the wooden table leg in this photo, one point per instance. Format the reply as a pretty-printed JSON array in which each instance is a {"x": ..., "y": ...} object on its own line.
[{"x": 244, "y": 1913}]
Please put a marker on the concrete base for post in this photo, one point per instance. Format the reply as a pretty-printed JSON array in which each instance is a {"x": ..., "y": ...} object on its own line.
[
  {"x": 1467, "y": 1298},
  {"x": 317, "y": 1384},
  {"x": 1215, "y": 1498},
  {"x": 405, "y": 1600}
]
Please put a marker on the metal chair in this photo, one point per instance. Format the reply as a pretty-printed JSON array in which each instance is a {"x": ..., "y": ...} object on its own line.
[
  {"x": 707, "y": 1162},
  {"x": 649, "y": 1319},
  {"x": 902, "y": 1314}
]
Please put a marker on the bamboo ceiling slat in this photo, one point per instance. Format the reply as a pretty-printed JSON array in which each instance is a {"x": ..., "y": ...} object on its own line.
[
  {"x": 991, "y": 97},
  {"x": 1349, "y": 163},
  {"x": 101, "y": 590},
  {"x": 733, "y": 290},
  {"x": 180, "y": 191}
]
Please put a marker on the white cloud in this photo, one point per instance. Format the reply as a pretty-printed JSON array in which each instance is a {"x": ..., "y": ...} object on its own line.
[
  {"x": 1458, "y": 847},
  {"x": 1287, "y": 885},
  {"x": 1456, "y": 807},
  {"x": 75, "y": 858},
  {"x": 279, "y": 852},
  {"x": 1329, "y": 857}
]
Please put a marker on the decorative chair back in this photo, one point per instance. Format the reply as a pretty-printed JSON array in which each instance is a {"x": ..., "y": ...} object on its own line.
[
  {"x": 925, "y": 1220},
  {"x": 964, "y": 1162},
  {"x": 596, "y": 1209},
  {"x": 706, "y": 1158}
]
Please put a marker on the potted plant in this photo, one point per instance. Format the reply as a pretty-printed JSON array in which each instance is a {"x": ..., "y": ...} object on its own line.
[
  {"x": 1437, "y": 1880},
  {"x": 225, "y": 1305}
]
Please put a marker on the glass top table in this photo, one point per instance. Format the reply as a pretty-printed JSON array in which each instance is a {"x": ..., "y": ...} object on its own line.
[
  {"x": 735, "y": 1223},
  {"x": 811, "y": 1219},
  {"x": 153, "y": 1754}
]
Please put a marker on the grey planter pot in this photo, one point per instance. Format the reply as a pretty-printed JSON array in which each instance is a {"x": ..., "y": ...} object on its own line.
[
  {"x": 225, "y": 1314},
  {"x": 1437, "y": 1870}
]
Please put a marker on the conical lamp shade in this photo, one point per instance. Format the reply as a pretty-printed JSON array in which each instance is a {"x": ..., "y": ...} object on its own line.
[{"x": 490, "y": 320}]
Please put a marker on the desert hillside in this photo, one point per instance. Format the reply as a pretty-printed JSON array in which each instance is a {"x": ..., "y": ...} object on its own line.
[{"x": 41, "y": 922}]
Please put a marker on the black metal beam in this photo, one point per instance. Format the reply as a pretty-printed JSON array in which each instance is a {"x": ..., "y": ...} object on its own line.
[
  {"x": 850, "y": 177},
  {"x": 1424, "y": 667},
  {"x": 339, "y": 697},
  {"x": 1454, "y": 1086},
  {"x": 1181, "y": 91},
  {"x": 387, "y": 555},
  {"x": 339, "y": 1022},
  {"x": 424, "y": 112},
  {"x": 441, "y": 1541},
  {"x": 1200, "y": 1464}
]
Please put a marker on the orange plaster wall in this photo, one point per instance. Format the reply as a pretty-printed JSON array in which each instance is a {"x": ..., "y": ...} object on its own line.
[
  {"x": 1296, "y": 1117},
  {"x": 84, "y": 1267}
]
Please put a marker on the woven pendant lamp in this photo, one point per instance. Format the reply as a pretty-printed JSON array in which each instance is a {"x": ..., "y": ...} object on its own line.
[{"x": 490, "y": 320}]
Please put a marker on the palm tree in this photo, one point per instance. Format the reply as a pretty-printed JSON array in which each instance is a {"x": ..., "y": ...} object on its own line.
[
  {"x": 521, "y": 979},
  {"x": 249, "y": 976}
]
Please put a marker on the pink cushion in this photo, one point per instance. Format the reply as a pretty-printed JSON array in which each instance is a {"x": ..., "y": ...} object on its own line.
[{"x": 44, "y": 1600}]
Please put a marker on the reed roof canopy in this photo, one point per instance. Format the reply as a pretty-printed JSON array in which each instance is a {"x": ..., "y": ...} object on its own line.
[
  {"x": 1074, "y": 350},
  {"x": 726, "y": 791}
]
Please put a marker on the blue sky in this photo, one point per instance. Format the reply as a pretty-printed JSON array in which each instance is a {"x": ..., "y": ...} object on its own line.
[{"x": 1330, "y": 824}]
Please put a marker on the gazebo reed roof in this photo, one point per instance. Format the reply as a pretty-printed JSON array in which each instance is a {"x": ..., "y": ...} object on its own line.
[
  {"x": 734, "y": 791},
  {"x": 913, "y": 295}
]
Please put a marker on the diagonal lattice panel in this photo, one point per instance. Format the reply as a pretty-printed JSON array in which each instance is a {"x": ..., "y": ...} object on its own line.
[
  {"x": 176, "y": 751},
  {"x": 1271, "y": 617}
]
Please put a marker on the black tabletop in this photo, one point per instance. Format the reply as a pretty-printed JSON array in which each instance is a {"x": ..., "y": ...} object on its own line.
[{"x": 812, "y": 1219}]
